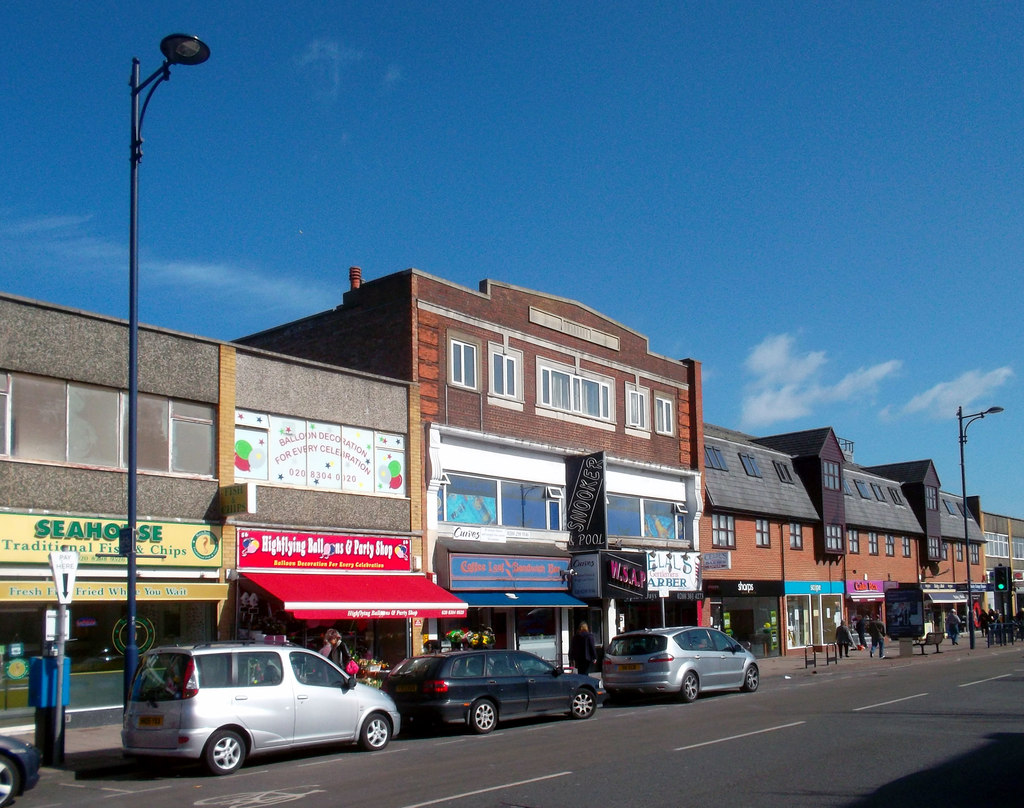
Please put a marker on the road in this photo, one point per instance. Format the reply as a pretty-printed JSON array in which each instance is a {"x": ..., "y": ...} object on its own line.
[{"x": 949, "y": 733}]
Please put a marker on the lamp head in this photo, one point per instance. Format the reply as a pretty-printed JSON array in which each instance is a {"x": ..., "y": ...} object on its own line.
[
  {"x": 992, "y": 410},
  {"x": 184, "y": 49}
]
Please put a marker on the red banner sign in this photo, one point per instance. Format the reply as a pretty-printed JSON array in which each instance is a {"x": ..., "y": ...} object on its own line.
[{"x": 281, "y": 550}]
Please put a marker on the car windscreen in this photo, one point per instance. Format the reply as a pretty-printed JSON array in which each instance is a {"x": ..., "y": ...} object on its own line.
[
  {"x": 160, "y": 677},
  {"x": 416, "y": 668},
  {"x": 637, "y": 644}
]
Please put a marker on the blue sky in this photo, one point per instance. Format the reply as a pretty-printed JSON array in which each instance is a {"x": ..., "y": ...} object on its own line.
[{"x": 822, "y": 202}]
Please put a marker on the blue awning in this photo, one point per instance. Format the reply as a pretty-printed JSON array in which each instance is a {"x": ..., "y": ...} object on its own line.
[{"x": 532, "y": 600}]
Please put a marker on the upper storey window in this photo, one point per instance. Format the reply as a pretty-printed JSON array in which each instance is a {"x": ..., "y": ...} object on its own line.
[
  {"x": 664, "y": 416},
  {"x": 506, "y": 372},
  {"x": 637, "y": 407},
  {"x": 462, "y": 363},
  {"x": 589, "y": 395},
  {"x": 66, "y": 422},
  {"x": 830, "y": 475}
]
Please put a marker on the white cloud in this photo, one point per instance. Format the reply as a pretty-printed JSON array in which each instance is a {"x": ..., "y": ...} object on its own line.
[
  {"x": 942, "y": 400},
  {"x": 323, "y": 58},
  {"x": 788, "y": 385},
  {"x": 226, "y": 282}
]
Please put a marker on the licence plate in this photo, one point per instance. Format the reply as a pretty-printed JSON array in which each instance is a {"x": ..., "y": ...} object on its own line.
[
  {"x": 635, "y": 666},
  {"x": 151, "y": 721},
  {"x": 405, "y": 688}
]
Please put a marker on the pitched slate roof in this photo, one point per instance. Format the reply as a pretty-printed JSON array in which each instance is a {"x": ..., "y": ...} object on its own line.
[
  {"x": 736, "y": 490},
  {"x": 808, "y": 443},
  {"x": 914, "y": 471},
  {"x": 871, "y": 513},
  {"x": 952, "y": 524}
]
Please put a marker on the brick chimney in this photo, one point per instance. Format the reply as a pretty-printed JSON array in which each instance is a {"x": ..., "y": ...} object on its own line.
[{"x": 355, "y": 277}]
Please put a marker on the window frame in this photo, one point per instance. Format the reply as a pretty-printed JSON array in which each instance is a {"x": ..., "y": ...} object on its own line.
[
  {"x": 638, "y": 416},
  {"x": 723, "y": 531},
  {"x": 796, "y": 536},
  {"x": 664, "y": 415},
  {"x": 457, "y": 371},
  {"x": 714, "y": 458},
  {"x": 831, "y": 475},
  {"x": 762, "y": 533},
  {"x": 505, "y": 357},
  {"x": 783, "y": 470},
  {"x": 872, "y": 542},
  {"x": 749, "y": 463},
  {"x": 853, "y": 540},
  {"x": 575, "y": 383}
]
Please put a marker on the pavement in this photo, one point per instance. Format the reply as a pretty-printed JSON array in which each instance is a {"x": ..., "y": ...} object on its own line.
[{"x": 95, "y": 751}]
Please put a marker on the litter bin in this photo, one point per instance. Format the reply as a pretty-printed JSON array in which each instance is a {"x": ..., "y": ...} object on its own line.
[{"x": 42, "y": 694}]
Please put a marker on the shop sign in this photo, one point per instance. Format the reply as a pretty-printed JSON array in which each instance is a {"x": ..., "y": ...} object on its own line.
[
  {"x": 29, "y": 539},
  {"x": 717, "y": 560},
  {"x": 673, "y": 571},
  {"x": 31, "y": 591},
  {"x": 585, "y": 581},
  {"x": 625, "y": 575},
  {"x": 281, "y": 550},
  {"x": 586, "y": 513},
  {"x": 815, "y": 588},
  {"x": 237, "y": 499},
  {"x": 522, "y": 573},
  {"x": 744, "y": 588},
  {"x": 865, "y": 587}
]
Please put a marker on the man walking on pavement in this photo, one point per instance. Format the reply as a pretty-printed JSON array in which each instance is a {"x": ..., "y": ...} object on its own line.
[{"x": 876, "y": 630}]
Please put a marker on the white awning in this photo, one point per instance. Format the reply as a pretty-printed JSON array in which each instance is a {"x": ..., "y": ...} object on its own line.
[
  {"x": 946, "y": 597},
  {"x": 860, "y": 597}
]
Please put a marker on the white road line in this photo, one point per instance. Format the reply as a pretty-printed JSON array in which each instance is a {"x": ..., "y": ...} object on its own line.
[
  {"x": 465, "y": 794},
  {"x": 736, "y": 737},
  {"x": 885, "y": 703},
  {"x": 981, "y": 681}
]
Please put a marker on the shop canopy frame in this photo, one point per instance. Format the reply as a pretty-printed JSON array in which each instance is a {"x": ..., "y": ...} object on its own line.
[{"x": 343, "y": 596}]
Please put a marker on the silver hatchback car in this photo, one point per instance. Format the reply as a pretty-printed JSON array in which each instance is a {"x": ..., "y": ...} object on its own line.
[
  {"x": 688, "y": 660},
  {"x": 221, "y": 702}
]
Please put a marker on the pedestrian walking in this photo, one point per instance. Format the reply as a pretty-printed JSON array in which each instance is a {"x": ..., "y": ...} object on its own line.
[
  {"x": 876, "y": 630},
  {"x": 582, "y": 649},
  {"x": 844, "y": 639},
  {"x": 953, "y": 626},
  {"x": 861, "y": 626}
]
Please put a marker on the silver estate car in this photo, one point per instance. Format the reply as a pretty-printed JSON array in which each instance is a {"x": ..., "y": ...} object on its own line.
[
  {"x": 688, "y": 660},
  {"x": 219, "y": 702}
]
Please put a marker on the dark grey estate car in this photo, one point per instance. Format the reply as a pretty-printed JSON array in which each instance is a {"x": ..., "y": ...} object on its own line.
[
  {"x": 483, "y": 687},
  {"x": 688, "y": 660}
]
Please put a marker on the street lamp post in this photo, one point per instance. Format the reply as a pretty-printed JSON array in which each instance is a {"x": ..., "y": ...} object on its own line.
[
  {"x": 178, "y": 49},
  {"x": 964, "y": 422}
]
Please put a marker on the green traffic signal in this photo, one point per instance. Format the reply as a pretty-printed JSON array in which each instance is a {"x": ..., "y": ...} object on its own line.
[{"x": 1001, "y": 578}]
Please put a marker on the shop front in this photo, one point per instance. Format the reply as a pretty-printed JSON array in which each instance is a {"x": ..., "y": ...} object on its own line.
[
  {"x": 865, "y": 599},
  {"x": 515, "y": 601},
  {"x": 177, "y": 597},
  {"x": 296, "y": 585},
  {"x": 748, "y": 611},
  {"x": 939, "y": 601},
  {"x": 813, "y": 610}
]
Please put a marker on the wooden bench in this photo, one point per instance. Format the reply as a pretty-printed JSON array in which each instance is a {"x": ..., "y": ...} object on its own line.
[
  {"x": 931, "y": 638},
  {"x": 830, "y": 650}
]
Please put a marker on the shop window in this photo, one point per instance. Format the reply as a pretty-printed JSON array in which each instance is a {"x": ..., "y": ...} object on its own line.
[{"x": 647, "y": 518}]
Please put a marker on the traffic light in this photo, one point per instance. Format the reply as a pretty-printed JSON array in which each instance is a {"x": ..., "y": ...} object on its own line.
[{"x": 1001, "y": 578}]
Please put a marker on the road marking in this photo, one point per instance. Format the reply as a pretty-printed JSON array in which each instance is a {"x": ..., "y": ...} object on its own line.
[
  {"x": 479, "y": 791},
  {"x": 885, "y": 703},
  {"x": 736, "y": 737},
  {"x": 981, "y": 681}
]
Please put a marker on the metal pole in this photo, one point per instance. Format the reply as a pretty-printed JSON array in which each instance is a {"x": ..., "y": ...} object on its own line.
[
  {"x": 131, "y": 649},
  {"x": 967, "y": 541}
]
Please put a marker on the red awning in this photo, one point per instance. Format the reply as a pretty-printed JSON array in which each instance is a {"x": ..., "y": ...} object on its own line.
[{"x": 326, "y": 597}]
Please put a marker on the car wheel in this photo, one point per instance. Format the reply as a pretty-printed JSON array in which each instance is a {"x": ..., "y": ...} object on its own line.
[
  {"x": 751, "y": 679},
  {"x": 690, "y": 688},
  {"x": 10, "y": 780},
  {"x": 583, "y": 704},
  {"x": 376, "y": 733},
  {"x": 483, "y": 717},
  {"x": 224, "y": 753}
]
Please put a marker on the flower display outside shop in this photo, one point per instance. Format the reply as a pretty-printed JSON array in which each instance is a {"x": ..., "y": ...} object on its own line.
[{"x": 471, "y": 638}]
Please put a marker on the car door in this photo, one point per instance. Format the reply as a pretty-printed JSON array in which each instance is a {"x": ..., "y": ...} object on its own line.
[
  {"x": 261, "y": 698},
  {"x": 505, "y": 684},
  {"x": 545, "y": 690},
  {"x": 326, "y": 706},
  {"x": 731, "y": 661},
  {"x": 703, "y": 656}
]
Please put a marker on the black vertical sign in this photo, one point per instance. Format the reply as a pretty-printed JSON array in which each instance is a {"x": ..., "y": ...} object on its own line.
[{"x": 586, "y": 513}]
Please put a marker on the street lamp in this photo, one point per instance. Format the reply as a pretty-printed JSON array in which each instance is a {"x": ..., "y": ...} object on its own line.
[
  {"x": 178, "y": 49},
  {"x": 965, "y": 421}
]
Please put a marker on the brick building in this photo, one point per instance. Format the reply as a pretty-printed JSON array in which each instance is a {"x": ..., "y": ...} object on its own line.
[{"x": 513, "y": 384}]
